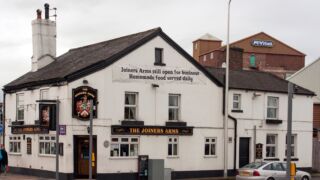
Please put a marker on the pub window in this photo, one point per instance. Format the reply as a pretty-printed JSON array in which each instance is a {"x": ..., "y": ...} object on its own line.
[
  {"x": 293, "y": 146},
  {"x": 236, "y": 101},
  {"x": 124, "y": 147},
  {"x": 20, "y": 107},
  {"x": 174, "y": 107},
  {"x": 130, "y": 106},
  {"x": 29, "y": 145},
  {"x": 15, "y": 144},
  {"x": 173, "y": 147},
  {"x": 272, "y": 107},
  {"x": 271, "y": 146},
  {"x": 158, "y": 56},
  {"x": 44, "y": 94},
  {"x": 210, "y": 146},
  {"x": 47, "y": 145}
]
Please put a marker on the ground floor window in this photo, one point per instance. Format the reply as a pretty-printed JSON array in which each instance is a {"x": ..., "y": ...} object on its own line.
[
  {"x": 124, "y": 147},
  {"x": 173, "y": 146},
  {"x": 271, "y": 146},
  {"x": 210, "y": 147},
  {"x": 15, "y": 144},
  {"x": 293, "y": 146},
  {"x": 47, "y": 145}
]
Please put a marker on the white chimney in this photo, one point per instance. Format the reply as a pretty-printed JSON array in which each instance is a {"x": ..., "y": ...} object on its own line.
[{"x": 43, "y": 40}]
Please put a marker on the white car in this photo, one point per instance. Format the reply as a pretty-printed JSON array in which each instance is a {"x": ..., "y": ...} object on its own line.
[{"x": 268, "y": 171}]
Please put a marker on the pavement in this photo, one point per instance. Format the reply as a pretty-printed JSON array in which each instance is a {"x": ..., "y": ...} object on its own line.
[{"x": 22, "y": 177}]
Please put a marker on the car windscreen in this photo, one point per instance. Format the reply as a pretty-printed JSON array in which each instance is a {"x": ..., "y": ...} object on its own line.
[{"x": 254, "y": 165}]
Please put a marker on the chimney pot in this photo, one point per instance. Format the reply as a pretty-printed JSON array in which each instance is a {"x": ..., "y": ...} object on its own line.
[
  {"x": 38, "y": 14},
  {"x": 46, "y": 10}
]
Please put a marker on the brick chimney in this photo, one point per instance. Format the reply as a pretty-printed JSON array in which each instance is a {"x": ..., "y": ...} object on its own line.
[
  {"x": 43, "y": 40},
  {"x": 204, "y": 44}
]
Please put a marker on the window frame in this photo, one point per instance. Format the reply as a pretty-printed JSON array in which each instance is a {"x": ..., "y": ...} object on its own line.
[
  {"x": 51, "y": 141},
  {"x": 293, "y": 146},
  {"x": 236, "y": 101},
  {"x": 273, "y": 107},
  {"x": 20, "y": 107},
  {"x": 135, "y": 106},
  {"x": 275, "y": 145},
  {"x": 178, "y": 107},
  {"x": 15, "y": 139},
  {"x": 160, "y": 61},
  {"x": 41, "y": 94},
  {"x": 172, "y": 143},
  {"x": 129, "y": 143},
  {"x": 210, "y": 147}
]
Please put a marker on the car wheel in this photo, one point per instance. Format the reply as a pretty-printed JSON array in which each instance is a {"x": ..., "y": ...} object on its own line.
[
  {"x": 270, "y": 178},
  {"x": 305, "y": 178}
]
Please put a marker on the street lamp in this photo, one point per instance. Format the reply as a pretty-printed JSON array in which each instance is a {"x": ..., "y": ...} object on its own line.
[{"x": 225, "y": 173}]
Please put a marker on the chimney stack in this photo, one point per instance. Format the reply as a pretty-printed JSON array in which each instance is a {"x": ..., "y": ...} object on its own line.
[{"x": 43, "y": 40}]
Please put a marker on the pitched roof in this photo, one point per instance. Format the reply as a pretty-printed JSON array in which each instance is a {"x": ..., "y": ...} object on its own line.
[
  {"x": 209, "y": 37},
  {"x": 82, "y": 61},
  {"x": 256, "y": 81}
]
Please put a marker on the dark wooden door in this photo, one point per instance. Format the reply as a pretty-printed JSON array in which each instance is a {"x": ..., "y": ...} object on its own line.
[
  {"x": 82, "y": 156},
  {"x": 244, "y": 153}
]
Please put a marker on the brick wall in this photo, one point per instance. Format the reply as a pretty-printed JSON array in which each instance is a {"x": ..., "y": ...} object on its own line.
[{"x": 316, "y": 116}]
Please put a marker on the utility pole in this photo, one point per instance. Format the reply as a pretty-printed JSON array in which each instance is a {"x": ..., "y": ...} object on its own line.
[
  {"x": 90, "y": 139},
  {"x": 289, "y": 128},
  {"x": 57, "y": 139},
  {"x": 226, "y": 111}
]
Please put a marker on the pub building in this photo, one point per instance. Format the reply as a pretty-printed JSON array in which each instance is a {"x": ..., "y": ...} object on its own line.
[{"x": 151, "y": 100}]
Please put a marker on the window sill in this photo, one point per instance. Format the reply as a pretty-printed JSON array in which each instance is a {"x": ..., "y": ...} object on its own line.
[
  {"x": 210, "y": 156},
  {"x": 15, "y": 154},
  {"x": 123, "y": 158},
  {"x": 132, "y": 122},
  {"x": 273, "y": 121},
  {"x": 292, "y": 159},
  {"x": 272, "y": 159},
  {"x": 159, "y": 64},
  {"x": 176, "y": 123},
  {"x": 47, "y": 155},
  {"x": 172, "y": 157},
  {"x": 237, "y": 111}
]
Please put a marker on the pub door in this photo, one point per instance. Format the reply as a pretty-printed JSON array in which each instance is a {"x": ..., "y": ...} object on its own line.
[
  {"x": 81, "y": 156},
  {"x": 244, "y": 153}
]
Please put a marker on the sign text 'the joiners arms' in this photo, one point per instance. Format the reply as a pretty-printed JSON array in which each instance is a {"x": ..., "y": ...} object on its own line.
[{"x": 151, "y": 130}]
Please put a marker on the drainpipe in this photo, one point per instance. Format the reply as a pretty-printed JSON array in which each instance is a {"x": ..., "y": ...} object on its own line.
[{"x": 4, "y": 118}]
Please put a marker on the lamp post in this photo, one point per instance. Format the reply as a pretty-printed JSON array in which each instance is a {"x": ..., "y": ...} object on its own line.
[{"x": 225, "y": 172}]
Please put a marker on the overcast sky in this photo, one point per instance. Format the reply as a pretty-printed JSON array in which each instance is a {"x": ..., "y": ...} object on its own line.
[{"x": 82, "y": 22}]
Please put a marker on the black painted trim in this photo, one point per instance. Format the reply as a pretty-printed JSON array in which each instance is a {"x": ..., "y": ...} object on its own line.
[
  {"x": 292, "y": 159},
  {"x": 159, "y": 64},
  {"x": 271, "y": 159},
  {"x": 40, "y": 173},
  {"x": 273, "y": 121},
  {"x": 176, "y": 123},
  {"x": 117, "y": 176},
  {"x": 200, "y": 174},
  {"x": 132, "y": 123},
  {"x": 237, "y": 111}
]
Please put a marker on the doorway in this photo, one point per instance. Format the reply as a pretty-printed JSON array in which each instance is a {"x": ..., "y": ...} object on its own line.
[
  {"x": 244, "y": 151},
  {"x": 81, "y": 156}
]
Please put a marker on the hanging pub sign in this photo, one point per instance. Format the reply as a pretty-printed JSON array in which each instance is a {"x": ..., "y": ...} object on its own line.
[
  {"x": 47, "y": 115},
  {"x": 81, "y": 102}
]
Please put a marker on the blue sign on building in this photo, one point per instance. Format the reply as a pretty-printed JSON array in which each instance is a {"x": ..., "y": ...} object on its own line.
[{"x": 1, "y": 129}]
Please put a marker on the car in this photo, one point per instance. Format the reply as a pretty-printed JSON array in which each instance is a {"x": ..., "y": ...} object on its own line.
[{"x": 268, "y": 171}]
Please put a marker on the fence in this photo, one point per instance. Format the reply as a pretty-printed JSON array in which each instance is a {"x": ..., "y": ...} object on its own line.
[{"x": 316, "y": 155}]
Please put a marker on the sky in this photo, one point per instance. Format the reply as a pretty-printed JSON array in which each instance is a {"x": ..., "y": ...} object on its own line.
[{"x": 83, "y": 22}]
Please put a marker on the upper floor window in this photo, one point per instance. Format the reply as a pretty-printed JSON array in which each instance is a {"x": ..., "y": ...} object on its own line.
[
  {"x": 44, "y": 94},
  {"x": 159, "y": 57},
  {"x": 130, "y": 106},
  {"x": 174, "y": 106},
  {"x": 272, "y": 107},
  {"x": 124, "y": 146},
  {"x": 236, "y": 102},
  {"x": 195, "y": 45},
  {"x": 205, "y": 58},
  {"x": 20, "y": 107},
  {"x": 211, "y": 55}
]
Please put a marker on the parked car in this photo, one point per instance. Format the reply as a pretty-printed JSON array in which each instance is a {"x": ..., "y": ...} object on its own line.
[{"x": 268, "y": 171}]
